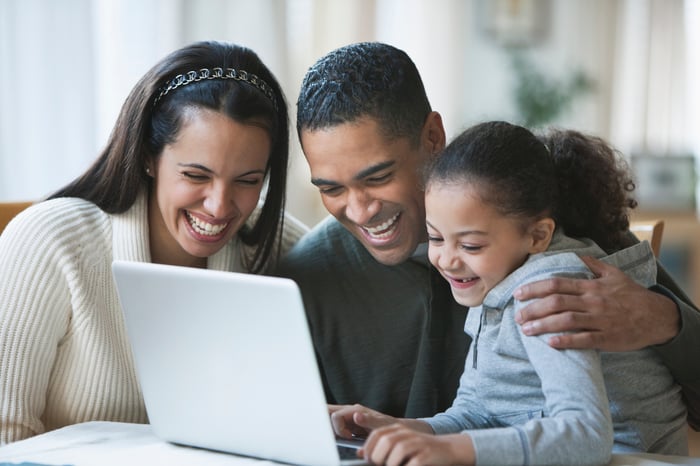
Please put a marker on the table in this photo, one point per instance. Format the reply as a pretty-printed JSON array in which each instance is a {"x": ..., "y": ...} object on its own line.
[{"x": 115, "y": 443}]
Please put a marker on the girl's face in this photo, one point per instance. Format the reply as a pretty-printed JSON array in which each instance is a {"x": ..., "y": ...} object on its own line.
[
  {"x": 472, "y": 245},
  {"x": 205, "y": 185}
]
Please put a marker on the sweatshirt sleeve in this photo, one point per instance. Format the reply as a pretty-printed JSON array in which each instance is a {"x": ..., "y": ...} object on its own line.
[
  {"x": 577, "y": 428},
  {"x": 574, "y": 425}
]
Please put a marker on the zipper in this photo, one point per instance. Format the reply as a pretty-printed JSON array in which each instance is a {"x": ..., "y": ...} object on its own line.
[{"x": 478, "y": 333}]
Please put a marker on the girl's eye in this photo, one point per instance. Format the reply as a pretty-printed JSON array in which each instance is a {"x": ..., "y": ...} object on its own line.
[
  {"x": 434, "y": 239},
  {"x": 470, "y": 248}
]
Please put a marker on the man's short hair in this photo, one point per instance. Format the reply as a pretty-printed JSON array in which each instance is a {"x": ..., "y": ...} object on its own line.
[{"x": 367, "y": 79}]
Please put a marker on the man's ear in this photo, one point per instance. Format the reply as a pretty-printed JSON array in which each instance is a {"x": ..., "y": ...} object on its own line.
[
  {"x": 541, "y": 234},
  {"x": 433, "y": 137}
]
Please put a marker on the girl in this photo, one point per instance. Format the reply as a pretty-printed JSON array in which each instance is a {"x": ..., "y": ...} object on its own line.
[{"x": 504, "y": 208}]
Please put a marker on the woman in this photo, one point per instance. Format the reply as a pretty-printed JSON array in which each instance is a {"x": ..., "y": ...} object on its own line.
[{"x": 180, "y": 181}]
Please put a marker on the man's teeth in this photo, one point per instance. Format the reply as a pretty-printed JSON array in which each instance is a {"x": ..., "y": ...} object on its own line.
[
  {"x": 383, "y": 230},
  {"x": 205, "y": 228}
]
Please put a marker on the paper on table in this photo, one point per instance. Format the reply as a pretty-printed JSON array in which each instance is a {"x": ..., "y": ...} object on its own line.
[{"x": 112, "y": 443}]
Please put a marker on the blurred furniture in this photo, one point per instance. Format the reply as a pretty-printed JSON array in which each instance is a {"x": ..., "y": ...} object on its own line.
[
  {"x": 650, "y": 230},
  {"x": 693, "y": 443},
  {"x": 680, "y": 252},
  {"x": 9, "y": 209}
]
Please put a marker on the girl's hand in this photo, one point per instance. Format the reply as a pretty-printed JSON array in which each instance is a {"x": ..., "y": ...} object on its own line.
[
  {"x": 399, "y": 445},
  {"x": 351, "y": 421}
]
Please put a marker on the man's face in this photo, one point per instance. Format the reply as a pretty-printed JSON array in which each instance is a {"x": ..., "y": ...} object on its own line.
[{"x": 371, "y": 184}]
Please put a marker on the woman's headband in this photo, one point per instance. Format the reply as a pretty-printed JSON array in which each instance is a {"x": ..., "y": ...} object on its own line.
[{"x": 217, "y": 73}]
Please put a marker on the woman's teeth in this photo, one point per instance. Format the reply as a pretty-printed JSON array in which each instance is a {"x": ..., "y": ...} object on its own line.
[{"x": 205, "y": 228}]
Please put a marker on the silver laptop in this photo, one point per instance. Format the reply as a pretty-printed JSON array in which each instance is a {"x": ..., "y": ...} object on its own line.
[{"x": 225, "y": 362}]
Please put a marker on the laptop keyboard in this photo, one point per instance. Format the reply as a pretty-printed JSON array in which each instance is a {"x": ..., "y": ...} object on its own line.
[{"x": 347, "y": 453}]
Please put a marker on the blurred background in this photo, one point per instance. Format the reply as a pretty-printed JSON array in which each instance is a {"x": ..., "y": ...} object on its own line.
[{"x": 625, "y": 70}]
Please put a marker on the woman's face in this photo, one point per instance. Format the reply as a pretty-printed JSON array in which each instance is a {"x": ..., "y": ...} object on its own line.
[{"x": 205, "y": 185}]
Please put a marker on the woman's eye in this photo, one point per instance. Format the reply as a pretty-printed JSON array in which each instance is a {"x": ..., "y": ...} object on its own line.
[
  {"x": 195, "y": 176},
  {"x": 250, "y": 182}
]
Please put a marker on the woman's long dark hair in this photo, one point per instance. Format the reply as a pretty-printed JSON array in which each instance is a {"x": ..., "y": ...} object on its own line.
[{"x": 143, "y": 128}]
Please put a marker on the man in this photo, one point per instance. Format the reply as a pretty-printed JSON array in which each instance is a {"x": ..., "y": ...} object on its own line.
[{"x": 387, "y": 332}]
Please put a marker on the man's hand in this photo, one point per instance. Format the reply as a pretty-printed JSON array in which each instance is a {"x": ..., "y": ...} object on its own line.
[{"x": 610, "y": 312}]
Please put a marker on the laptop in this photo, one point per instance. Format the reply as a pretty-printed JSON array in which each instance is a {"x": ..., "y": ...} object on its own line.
[{"x": 226, "y": 362}]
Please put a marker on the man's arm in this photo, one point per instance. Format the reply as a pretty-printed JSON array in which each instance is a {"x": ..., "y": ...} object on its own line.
[{"x": 613, "y": 313}]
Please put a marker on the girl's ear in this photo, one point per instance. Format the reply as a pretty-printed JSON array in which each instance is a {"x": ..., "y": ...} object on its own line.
[{"x": 541, "y": 234}]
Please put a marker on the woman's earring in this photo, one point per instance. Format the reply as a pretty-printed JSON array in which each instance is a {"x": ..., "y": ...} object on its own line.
[{"x": 148, "y": 171}]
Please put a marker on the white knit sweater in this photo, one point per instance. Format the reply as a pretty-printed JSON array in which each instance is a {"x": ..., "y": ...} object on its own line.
[{"x": 64, "y": 354}]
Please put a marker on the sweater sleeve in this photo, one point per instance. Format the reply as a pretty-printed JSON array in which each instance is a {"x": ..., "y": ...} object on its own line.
[
  {"x": 293, "y": 230},
  {"x": 34, "y": 315}
]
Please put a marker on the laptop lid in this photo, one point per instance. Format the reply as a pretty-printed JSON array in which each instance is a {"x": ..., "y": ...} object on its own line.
[{"x": 226, "y": 362}]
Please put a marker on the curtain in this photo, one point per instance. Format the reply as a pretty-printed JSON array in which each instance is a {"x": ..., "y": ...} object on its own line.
[
  {"x": 649, "y": 104},
  {"x": 68, "y": 66},
  {"x": 46, "y": 94}
]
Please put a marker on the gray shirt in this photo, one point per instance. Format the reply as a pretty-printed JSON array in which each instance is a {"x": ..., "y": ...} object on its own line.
[
  {"x": 389, "y": 337},
  {"x": 523, "y": 402},
  {"x": 392, "y": 337}
]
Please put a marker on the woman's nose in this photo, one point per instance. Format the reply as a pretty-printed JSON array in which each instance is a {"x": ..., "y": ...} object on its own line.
[{"x": 220, "y": 201}]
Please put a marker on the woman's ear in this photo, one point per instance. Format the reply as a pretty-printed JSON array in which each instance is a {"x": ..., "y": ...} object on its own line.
[{"x": 541, "y": 233}]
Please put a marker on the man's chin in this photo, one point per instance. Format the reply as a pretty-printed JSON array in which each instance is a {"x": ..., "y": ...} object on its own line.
[{"x": 390, "y": 256}]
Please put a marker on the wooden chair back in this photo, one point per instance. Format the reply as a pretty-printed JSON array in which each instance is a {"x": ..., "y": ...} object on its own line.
[
  {"x": 9, "y": 209},
  {"x": 650, "y": 230}
]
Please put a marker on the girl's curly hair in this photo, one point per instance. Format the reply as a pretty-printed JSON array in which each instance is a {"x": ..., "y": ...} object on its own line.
[{"x": 580, "y": 181}]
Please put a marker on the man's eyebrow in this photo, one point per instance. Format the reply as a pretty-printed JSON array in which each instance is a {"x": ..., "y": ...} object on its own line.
[
  {"x": 323, "y": 182},
  {"x": 374, "y": 169},
  {"x": 360, "y": 175}
]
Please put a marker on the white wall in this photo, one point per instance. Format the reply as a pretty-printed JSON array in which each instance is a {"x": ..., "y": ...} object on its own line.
[{"x": 67, "y": 67}]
